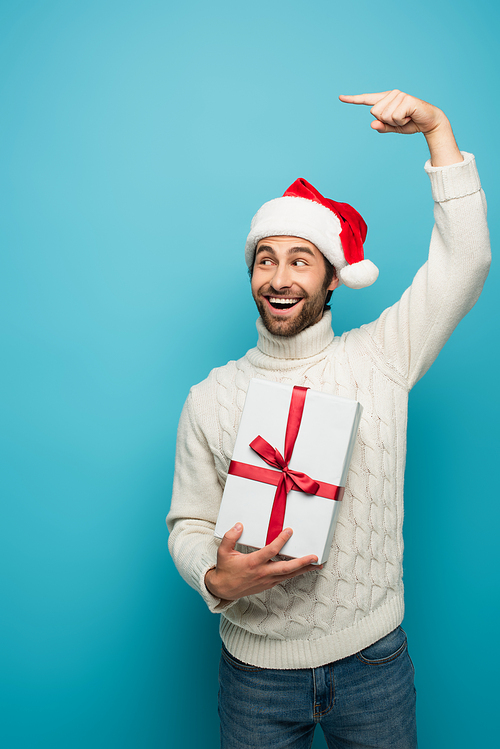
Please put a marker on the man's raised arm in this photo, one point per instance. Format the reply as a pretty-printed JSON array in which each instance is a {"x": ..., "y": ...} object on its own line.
[{"x": 409, "y": 335}]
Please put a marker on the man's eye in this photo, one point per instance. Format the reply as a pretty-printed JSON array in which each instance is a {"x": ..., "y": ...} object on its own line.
[{"x": 300, "y": 262}]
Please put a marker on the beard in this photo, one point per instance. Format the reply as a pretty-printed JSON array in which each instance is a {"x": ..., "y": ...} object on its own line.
[{"x": 311, "y": 311}]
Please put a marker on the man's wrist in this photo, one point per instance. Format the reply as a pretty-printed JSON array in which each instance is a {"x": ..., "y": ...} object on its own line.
[
  {"x": 213, "y": 591},
  {"x": 207, "y": 575},
  {"x": 442, "y": 145}
]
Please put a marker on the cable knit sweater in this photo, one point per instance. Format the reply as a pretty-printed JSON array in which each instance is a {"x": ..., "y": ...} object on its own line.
[{"x": 357, "y": 597}]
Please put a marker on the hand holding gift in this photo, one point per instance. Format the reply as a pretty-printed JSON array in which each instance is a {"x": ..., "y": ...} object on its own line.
[
  {"x": 288, "y": 470},
  {"x": 237, "y": 575}
]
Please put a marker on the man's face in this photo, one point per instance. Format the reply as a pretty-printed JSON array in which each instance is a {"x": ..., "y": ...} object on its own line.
[{"x": 289, "y": 284}]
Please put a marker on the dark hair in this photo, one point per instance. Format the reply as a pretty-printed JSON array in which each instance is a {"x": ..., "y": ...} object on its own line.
[{"x": 330, "y": 274}]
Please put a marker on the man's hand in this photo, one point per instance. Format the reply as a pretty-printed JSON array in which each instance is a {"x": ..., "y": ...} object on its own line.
[
  {"x": 237, "y": 575},
  {"x": 397, "y": 112}
]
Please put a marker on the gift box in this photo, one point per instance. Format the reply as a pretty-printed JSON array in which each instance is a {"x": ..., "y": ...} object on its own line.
[{"x": 289, "y": 467}]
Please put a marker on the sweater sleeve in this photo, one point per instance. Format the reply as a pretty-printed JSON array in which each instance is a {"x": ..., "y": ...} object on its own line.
[
  {"x": 195, "y": 504},
  {"x": 410, "y": 334}
]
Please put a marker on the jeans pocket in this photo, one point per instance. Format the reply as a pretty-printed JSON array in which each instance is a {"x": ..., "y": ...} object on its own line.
[
  {"x": 235, "y": 663},
  {"x": 386, "y": 649}
]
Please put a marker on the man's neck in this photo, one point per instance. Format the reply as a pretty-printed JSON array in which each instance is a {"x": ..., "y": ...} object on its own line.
[{"x": 309, "y": 342}]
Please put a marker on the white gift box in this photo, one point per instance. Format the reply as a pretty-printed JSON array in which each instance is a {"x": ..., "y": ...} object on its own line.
[{"x": 323, "y": 450}]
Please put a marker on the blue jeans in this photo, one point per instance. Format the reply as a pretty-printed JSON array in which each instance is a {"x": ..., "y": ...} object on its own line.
[{"x": 365, "y": 701}]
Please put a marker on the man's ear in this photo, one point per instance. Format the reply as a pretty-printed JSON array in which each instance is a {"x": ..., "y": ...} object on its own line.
[{"x": 334, "y": 283}]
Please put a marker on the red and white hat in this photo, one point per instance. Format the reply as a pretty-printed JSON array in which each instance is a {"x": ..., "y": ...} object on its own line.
[{"x": 337, "y": 230}]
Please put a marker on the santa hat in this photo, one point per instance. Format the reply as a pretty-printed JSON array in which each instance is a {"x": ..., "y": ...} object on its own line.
[{"x": 336, "y": 229}]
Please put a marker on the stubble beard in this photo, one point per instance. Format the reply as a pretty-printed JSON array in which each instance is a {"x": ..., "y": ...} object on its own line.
[{"x": 311, "y": 312}]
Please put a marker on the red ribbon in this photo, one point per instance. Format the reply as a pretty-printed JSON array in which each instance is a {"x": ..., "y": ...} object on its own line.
[{"x": 287, "y": 479}]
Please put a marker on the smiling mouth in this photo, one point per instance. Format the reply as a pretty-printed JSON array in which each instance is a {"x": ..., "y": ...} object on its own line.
[{"x": 282, "y": 303}]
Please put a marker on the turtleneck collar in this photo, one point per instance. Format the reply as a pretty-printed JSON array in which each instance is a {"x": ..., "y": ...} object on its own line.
[{"x": 308, "y": 343}]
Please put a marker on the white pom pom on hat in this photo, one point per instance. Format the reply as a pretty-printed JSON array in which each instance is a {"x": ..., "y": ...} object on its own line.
[
  {"x": 359, "y": 275},
  {"x": 337, "y": 230}
]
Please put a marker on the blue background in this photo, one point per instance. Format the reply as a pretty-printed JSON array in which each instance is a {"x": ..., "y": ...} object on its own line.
[{"x": 137, "y": 140}]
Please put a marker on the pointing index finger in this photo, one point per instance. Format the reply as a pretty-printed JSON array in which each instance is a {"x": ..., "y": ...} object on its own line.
[{"x": 367, "y": 99}]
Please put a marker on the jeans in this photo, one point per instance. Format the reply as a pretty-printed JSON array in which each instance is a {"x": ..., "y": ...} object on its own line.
[{"x": 365, "y": 701}]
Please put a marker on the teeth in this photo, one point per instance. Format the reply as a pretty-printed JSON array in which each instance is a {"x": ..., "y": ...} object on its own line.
[{"x": 282, "y": 300}]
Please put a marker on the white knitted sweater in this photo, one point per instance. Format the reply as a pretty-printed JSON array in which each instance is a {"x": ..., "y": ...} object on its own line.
[{"x": 357, "y": 597}]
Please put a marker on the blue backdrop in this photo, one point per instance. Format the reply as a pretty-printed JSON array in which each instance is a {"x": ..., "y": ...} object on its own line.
[{"x": 137, "y": 140}]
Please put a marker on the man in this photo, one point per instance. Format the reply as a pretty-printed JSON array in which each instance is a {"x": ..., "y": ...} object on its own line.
[{"x": 303, "y": 643}]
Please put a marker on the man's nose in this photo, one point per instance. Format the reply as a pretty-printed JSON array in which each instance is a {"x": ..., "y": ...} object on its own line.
[{"x": 282, "y": 278}]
